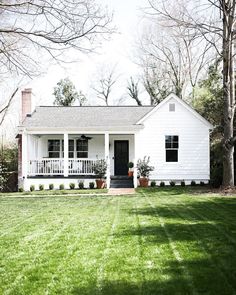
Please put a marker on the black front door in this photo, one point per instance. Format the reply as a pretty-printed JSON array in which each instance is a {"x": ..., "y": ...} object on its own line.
[{"x": 121, "y": 157}]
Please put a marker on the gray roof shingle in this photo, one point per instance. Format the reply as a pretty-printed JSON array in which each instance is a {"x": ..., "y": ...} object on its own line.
[{"x": 76, "y": 117}]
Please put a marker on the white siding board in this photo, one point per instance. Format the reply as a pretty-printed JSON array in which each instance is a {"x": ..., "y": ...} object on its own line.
[{"x": 193, "y": 151}]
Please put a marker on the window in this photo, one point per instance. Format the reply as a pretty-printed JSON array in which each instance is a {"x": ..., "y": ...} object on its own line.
[
  {"x": 76, "y": 149},
  {"x": 171, "y": 107},
  {"x": 54, "y": 148},
  {"x": 71, "y": 148},
  {"x": 82, "y": 148},
  {"x": 172, "y": 146}
]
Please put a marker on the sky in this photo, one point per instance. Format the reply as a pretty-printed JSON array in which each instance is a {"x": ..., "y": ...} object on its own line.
[{"x": 120, "y": 52}]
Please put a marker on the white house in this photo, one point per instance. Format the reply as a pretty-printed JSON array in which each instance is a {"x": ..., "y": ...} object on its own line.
[{"x": 60, "y": 144}]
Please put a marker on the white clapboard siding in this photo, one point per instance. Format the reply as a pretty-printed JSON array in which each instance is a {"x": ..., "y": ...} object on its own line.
[{"x": 193, "y": 143}]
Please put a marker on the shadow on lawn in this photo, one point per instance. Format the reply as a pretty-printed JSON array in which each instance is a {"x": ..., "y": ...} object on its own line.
[
  {"x": 152, "y": 287},
  {"x": 173, "y": 281},
  {"x": 207, "y": 254},
  {"x": 178, "y": 190},
  {"x": 201, "y": 229}
]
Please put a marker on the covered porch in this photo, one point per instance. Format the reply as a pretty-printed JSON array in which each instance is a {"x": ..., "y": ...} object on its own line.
[{"x": 73, "y": 154}]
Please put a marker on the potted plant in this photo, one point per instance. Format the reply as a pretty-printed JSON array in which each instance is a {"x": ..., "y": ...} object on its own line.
[
  {"x": 144, "y": 170},
  {"x": 131, "y": 171},
  {"x": 100, "y": 169}
]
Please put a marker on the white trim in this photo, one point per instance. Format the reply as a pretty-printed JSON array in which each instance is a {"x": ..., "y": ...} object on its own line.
[
  {"x": 88, "y": 130},
  {"x": 107, "y": 157},
  {"x": 72, "y": 132},
  {"x": 24, "y": 157},
  {"x": 66, "y": 158},
  {"x": 183, "y": 103}
]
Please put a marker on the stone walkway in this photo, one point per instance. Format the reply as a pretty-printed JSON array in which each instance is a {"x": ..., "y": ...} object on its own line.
[{"x": 121, "y": 191}]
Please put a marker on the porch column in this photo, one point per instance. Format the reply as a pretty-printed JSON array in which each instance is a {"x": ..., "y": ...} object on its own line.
[
  {"x": 24, "y": 159},
  {"x": 66, "y": 162},
  {"x": 135, "y": 176},
  {"x": 107, "y": 158}
]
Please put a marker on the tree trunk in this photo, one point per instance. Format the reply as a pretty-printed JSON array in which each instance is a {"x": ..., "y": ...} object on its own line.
[{"x": 228, "y": 93}]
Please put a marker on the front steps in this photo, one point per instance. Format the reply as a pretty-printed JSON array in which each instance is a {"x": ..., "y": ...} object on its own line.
[{"x": 121, "y": 182}]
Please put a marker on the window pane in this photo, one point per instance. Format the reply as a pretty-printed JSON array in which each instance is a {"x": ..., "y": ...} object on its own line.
[
  {"x": 171, "y": 155},
  {"x": 71, "y": 145},
  {"x": 71, "y": 154},
  {"x": 54, "y": 154},
  {"x": 172, "y": 141},
  {"x": 82, "y": 154},
  {"x": 175, "y": 138},
  {"x": 175, "y": 145},
  {"x": 53, "y": 145},
  {"x": 168, "y": 141}
]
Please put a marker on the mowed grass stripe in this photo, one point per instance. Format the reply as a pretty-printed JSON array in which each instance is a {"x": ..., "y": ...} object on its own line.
[
  {"x": 105, "y": 256},
  {"x": 157, "y": 255},
  {"x": 42, "y": 225},
  {"x": 81, "y": 266},
  {"x": 199, "y": 250},
  {"x": 17, "y": 219},
  {"x": 176, "y": 253},
  {"x": 47, "y": 247},
  {"x": 120, "y": 275}
]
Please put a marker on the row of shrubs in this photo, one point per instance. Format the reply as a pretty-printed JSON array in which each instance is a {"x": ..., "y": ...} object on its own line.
[
  {"x": 61, "y": 186},
  {"x": 173, "y": 183}
]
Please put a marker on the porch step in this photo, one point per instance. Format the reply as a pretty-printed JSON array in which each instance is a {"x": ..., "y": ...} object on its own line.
[
  {"x": 121, "y": 182},
  {"x": 120, "y": 177}
]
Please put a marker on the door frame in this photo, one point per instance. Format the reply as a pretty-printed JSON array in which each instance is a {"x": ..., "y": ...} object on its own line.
[{"x": 120, "y": 140}]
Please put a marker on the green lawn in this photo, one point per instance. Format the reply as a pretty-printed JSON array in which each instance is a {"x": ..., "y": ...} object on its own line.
[{"x": 161, "y": 241}]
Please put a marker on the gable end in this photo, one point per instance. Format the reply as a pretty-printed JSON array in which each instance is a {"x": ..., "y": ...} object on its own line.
[{"x": 183, "y": 103}]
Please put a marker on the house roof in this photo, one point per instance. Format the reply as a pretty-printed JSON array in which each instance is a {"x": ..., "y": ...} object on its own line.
[{"x": 85, "y": 117}]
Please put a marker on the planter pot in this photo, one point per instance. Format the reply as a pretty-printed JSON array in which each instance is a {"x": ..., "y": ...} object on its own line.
[
  {"x": 100, "y": 183},
  {"x": 143, "y": 182},
  {"x": 130, "y": 173}
]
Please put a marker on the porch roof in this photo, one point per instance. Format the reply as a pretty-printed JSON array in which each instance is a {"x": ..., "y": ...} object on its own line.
[{"x": 96, "y": 117}]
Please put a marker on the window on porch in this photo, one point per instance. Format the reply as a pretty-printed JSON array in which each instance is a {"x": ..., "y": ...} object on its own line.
[
  {"x": 82, "y": 148},
  {"x": 54, "y": 148},
  {"x": 77, "y": 148}
]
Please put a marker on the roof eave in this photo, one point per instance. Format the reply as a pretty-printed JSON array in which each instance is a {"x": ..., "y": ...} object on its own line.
[{"x": 131, "y": 128}]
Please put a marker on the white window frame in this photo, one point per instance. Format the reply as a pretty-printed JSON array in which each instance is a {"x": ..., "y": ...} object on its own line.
[{"x": 172, "y": 147}]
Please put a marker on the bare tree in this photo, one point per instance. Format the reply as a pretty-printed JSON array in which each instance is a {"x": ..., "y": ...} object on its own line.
[
  {"x": 156, "y": 83},
  {"x": 103, "y": 87},
  {"x": 173, "y": 56},
  {"x": 214, "y": 22},
  {"x": 31, "y": 31},
  {"x": 133, "y": 91},
  {"x": 51, "y": 26},
  {"x": 4, "y": 109}
]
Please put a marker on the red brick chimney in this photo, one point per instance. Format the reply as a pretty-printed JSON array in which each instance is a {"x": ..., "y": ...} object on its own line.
[{"x": 26, "y": 103}]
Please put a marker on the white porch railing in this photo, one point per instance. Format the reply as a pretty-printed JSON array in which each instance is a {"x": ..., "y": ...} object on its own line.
[
  {"x": 81, "y": 166},
  {"x": 46, "y": 166},
  {"x": 55, "y": 166}
]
